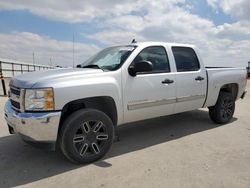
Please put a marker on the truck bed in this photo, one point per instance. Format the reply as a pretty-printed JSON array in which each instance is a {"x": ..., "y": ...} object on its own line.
[{"x": 217, "y": 76}]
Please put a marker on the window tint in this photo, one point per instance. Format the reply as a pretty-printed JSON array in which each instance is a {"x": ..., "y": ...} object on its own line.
[
  {"x": 185, "y": 59},
  {"x": 157, "y": 56}
]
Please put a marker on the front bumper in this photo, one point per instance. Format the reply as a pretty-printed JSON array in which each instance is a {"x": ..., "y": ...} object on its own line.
[{"x": 35, "y": 127}]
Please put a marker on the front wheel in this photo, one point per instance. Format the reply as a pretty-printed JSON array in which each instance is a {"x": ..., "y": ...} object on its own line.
[
  {"x": 224, "y": 108},
  {"x": 86, "y": 136}
]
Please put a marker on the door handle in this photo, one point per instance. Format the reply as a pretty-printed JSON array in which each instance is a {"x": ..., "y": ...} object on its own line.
[
  {"x": 167, "y": 81},
  {"x": 199, "y": 78}
]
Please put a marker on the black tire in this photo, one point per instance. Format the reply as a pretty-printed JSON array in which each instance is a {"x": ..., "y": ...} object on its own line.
[
  {"x": 223, "y": 110},
  {"x": 86, "y": 136}
]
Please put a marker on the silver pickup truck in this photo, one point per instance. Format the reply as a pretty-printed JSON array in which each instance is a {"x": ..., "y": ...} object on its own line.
[{"x": 77, "y": 109}]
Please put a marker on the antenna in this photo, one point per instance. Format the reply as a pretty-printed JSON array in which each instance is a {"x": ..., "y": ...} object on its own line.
[
  {"x": 134, "y": 41},
  {"x": 50, "y": 60}
]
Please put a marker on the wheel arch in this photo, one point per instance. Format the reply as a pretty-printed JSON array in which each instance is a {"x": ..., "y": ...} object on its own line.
[
  {"x": 232, "y": 88},
  {"x": 105, "y": 104}
]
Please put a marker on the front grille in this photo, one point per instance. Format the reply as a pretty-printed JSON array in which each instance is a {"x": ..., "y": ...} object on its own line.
[
  {"x": 15, "y": 98},
  {"x": 15, "y": 91}
]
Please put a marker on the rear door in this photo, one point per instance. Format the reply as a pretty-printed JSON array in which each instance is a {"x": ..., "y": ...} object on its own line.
[{"x": 190, "y": 79}]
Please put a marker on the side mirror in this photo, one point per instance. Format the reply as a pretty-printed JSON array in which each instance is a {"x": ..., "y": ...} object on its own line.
[
  {"x": 78, "y": 66},
  {"x": 140, "y": 66}
]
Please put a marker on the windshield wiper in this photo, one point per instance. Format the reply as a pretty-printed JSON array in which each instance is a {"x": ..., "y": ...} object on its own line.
[{"x": 91, "y": 66}]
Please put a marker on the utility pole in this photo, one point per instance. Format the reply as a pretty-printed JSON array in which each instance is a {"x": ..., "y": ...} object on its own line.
[
  {"x": 33, "y": 54},
  {"x": 73, "y": 50}
]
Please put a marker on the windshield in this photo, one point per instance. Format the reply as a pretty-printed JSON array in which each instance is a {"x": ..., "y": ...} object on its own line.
[{"x": 110, "y": 58}]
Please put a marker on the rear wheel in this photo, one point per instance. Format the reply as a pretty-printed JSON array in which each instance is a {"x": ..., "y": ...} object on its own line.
[
  {"x": 224, "y": 108},
  {"x": 86, "y": 136}
]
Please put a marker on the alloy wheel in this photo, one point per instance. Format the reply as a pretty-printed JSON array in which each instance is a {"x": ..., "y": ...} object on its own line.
[
  {"x": 90, "y": 138},
  {"x": 227, "y": 109}
]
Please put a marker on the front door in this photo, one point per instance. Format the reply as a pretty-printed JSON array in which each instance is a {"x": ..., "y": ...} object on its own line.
[{"x": 150, "y": 94}]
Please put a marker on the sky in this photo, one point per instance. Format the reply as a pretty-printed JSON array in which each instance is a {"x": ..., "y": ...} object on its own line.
[{"x": 219, "y": 28}]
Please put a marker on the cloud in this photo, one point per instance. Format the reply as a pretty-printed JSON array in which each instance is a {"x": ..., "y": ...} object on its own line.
[
  {"x": 21, "y": 45},
  {"x": 227, "y": 44},
  {"x": 120, "y": 21},
  {"x": 235, "y": 31},
  {"x": 77, "y": 10},
  {"x": 239, "y": 9},
  {"x": 116, "y": 37}
]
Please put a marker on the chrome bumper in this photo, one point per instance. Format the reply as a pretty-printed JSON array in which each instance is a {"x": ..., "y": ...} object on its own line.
[{"x": 40, "y": 127}]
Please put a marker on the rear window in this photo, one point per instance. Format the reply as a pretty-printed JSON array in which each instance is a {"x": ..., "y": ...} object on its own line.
[{"x": 185, "y": 59}]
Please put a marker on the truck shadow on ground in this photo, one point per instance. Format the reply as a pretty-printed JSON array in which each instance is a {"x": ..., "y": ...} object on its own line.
[{"x": 21, "y": 164}]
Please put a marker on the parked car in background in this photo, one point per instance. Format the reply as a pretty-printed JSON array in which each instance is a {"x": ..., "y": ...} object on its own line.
[{"x": 77, "y": 109}]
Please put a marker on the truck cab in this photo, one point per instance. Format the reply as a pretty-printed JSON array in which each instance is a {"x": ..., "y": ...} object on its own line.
[{"x": 176, "y": 83}]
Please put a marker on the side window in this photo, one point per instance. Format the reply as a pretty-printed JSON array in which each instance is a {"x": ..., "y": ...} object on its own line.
[
  {"x": 157, "y": 56},
  {"x": 185, "y": 59}
]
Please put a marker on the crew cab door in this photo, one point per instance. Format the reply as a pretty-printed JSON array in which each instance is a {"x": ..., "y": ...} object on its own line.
[
  {"x": 149, "y": 94},
  {"x": 191, "y": 79}
]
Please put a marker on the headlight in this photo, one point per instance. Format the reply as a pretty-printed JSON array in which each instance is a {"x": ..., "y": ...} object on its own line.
[{"x": 39, "y": 99}]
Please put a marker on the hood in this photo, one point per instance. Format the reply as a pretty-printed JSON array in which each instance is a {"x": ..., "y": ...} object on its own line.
[{"x": 28, "y": 80}]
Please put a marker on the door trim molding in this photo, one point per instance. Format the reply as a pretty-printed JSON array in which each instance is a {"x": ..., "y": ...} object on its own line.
[
  {"x": 190, "y": 98},
  {"x": 147, "y": 104},
  {"x": 153, "y": 103}
]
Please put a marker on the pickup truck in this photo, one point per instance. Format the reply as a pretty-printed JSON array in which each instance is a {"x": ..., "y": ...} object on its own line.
[{"x": 76, "y": 110}]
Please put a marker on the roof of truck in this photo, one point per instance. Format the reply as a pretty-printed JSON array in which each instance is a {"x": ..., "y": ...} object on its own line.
[{"x": 149, "y": 43}]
